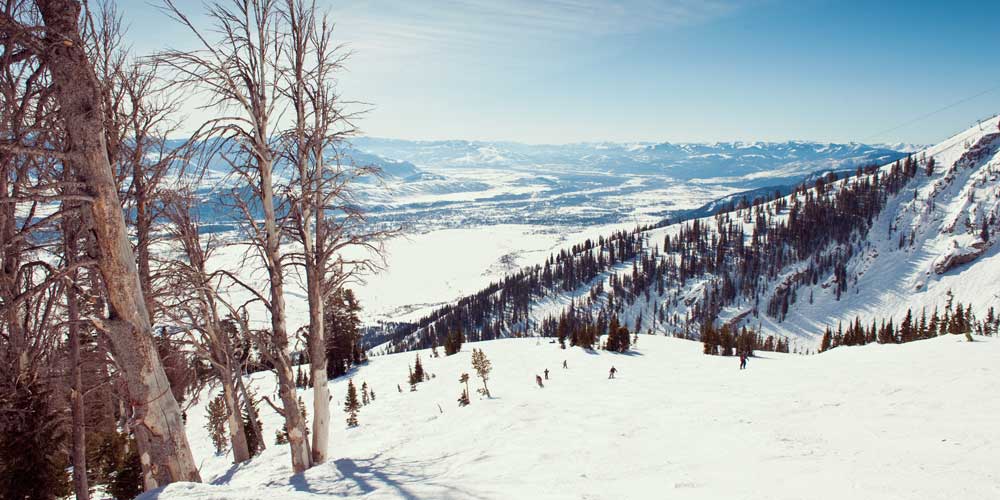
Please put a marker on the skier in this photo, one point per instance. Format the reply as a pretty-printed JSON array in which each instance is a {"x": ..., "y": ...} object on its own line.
[
  {"x": 564, "y": 364},
  {"x": 538, "y": 380},
  {"x": 743, "y": 360},
  {"x": 611, "y": 374},
  {"x": 546, "y": 374}
]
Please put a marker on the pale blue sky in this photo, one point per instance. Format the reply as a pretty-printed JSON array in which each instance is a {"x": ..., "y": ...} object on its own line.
[{"x": 647, "y": 70}]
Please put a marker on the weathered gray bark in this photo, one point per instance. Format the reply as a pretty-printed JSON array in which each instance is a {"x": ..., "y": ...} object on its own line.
[
  {"x": 251, "y": 411},
  {"x": 163, "y": 447},
  {"x": 78, "y": 454},
  {"x": 280, "y": 357},
  {"x": 321, "y": 388},
  {"x": 237, "y": 431},
  {"x": 301, "y": 32}
]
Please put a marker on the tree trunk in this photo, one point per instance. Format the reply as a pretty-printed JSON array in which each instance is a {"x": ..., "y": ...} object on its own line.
[
  {"x": 78, "y": 454},
  {"x": 301, "y": 458},
  {"x": 251, "y": 412},
  {"x": 143, "y": 232},
  {"x": 163, "y": 447},
  {"x": 237, "y": 431},
  {"x": 317, "y": 358}
]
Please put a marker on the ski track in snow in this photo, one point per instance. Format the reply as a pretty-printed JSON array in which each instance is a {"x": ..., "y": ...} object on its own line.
[{"x": 911, "y": 421}]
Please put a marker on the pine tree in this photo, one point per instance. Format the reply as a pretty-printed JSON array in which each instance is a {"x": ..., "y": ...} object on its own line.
[
  {"x": 453, "y": 343},
  {"x": 906, "y": 332},
  {"x": 121, "y": 468},
  {"x": 255, "y": 441},
  {"x": 933, "y": 326},
  {"x": 922, "y": 326},
  {"x": 364, "y": 394},
  {"x": 417, "y": 375},
  {"x": 463, "y": 399},
  {"x": 562, "y": 331},
  {"x": 342, "y": 325},
  {"x": 483, "y": 367},
  {"x": 351, "y": 406},
  {"x": 32, "y": 430},
  {"x": 218, "y": 414}
]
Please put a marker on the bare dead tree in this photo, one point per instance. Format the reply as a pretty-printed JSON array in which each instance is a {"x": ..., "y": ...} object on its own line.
[
  {"x": 195, "y": 305},
  {"x": 239, "y": 73},
  {"x": 325, "y": 218},
  {"x": 58, "y": 46},
  {"x": 138, "y": 118}
]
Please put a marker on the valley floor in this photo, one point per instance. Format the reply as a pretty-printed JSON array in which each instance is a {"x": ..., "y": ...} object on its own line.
[{"x": 914, "y": 421}]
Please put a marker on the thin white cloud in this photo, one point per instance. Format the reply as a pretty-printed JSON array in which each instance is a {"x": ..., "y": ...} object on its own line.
[{"x": 401, "y": 28}]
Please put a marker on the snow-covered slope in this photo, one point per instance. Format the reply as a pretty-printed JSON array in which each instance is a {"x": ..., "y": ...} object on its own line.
[
  {"x": 926, "y": 243},
  {"x": 922, "y": 249},
  {"x": 913, "y": 421}
]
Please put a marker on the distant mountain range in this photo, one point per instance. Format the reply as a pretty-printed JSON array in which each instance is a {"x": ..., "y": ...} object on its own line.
[{"x": 734, "y": 162}]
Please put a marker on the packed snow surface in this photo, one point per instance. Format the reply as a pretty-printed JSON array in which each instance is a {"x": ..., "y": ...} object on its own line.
[{"x": 912, "y": 421}]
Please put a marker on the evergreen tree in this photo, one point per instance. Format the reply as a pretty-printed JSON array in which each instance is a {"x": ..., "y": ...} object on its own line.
[
  {"x": 463, "y": 399},
  {"x": 483, "y": 367},
  {"x": 32, "y": 434},
  {"x": 123, "y": 471},
  {"x": 364, "y": 394},
  {"x": 562, "y": 331},
  {"x": 351, "y": 406},
  {"x": 906, "y": 332},
  {"x": 417, "y": 373},
  {"x": 932, "y": 326},
  {"x": 218, "y": 413},
  {"x": 342, "y": 325},
  {"x": 255, "y": 441},
  {"x": 453, "y": 343}
]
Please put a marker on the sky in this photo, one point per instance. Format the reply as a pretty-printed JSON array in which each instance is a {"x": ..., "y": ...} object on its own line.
[{"x": 566, "y": 71}]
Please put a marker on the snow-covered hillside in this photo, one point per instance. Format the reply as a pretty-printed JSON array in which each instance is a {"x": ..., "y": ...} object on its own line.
[
  {"x": 912, "y": 421},
  {"x": 921, "y": 246},
  {"x": 926, "y": 243}
]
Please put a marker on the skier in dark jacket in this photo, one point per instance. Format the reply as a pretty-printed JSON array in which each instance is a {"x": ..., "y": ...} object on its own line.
[
  {"x": 546, "y": 374},
  {"x": 564, "y": 364},
  {"x": 538, "y": 380},
  {"x": 743, "y": 360},
  {"x": 611, "y": 374}
]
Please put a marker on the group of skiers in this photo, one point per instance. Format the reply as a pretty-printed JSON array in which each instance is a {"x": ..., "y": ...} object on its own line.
[
  {"x": 541, "y": 384},
  {"x": 611, "y": 373}
]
